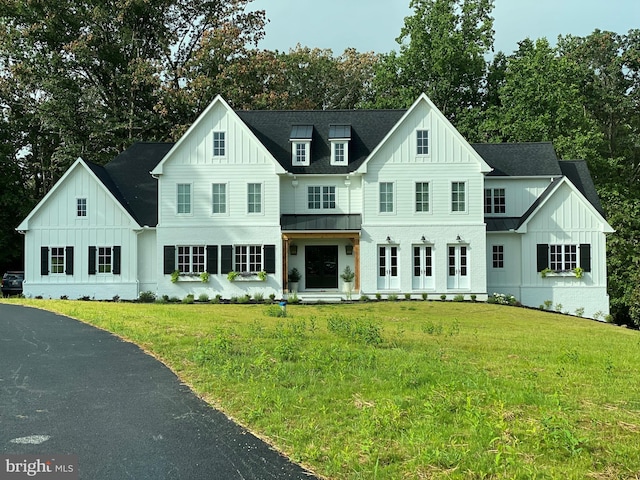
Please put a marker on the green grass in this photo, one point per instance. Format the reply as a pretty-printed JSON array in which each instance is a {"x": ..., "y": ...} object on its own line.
[{"x": 397, "y": 390}]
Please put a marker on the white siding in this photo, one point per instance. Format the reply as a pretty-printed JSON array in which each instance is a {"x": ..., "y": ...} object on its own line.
[
  {"x": 294, "y": 196},
  {"x": 55, "y": 224},
  {"x": 520, "y": 193},
  {"x": 505, "y": 280}
]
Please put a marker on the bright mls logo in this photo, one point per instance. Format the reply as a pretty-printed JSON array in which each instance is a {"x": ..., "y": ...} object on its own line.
[{"x": 49, "y": 467}]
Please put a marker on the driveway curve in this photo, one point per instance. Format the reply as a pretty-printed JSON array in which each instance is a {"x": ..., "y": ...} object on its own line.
[{"x": 69, "y": 388}]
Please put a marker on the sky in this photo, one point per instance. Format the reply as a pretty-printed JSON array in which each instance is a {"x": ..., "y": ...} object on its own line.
[{"x": 373, "y": 25}]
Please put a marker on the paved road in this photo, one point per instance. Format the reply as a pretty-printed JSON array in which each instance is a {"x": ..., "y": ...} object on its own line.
[{"x": 72, "y": 389}]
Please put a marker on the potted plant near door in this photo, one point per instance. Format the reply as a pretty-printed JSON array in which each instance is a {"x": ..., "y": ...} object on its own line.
[
  {"x": 294, "y": 280},
  {"x": 347, "y": 277}
]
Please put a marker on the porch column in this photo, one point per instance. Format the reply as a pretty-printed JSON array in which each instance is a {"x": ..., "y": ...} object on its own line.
[{"x": 285, "y": 264}]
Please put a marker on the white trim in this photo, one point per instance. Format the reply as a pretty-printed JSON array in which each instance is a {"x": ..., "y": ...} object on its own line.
[
  {"x": 158, "y": 170},
  {"x": 484, "y": 167},
  {"x": 79, "y": 163}
]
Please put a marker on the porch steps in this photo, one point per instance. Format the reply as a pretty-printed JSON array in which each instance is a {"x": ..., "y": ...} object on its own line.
[{"x": 322, "y": 297}]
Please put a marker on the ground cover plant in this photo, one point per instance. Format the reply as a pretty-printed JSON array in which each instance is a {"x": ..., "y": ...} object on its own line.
[{"x": 394, "y": 390}]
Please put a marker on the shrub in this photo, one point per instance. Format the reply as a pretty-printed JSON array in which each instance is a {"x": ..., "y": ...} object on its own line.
[
  {"x": 579, "y": 311},
  {"x": 203, "y": 297},
  {"x": 216, "y": 299},
  {"x": 258, "y": 297},
  {"x": 188, "y": 299},
  {"x": 473, "y": 297},
  {"x": 275, "y": 311},
  {"x": 407, "y": 296},
  {"x": 425, "y": 296},
  {"x": 392, "y": 298},
  {"x": 443, "y": 297},
  {"x": 458, "y": 298},
  {"x": 547, "y": 304},
  {"x": 364, "y": 298},
  {"x": 147, "y": 297},
  {"x": 502, "y": 299},
  {"x": 378, "y": 296}
]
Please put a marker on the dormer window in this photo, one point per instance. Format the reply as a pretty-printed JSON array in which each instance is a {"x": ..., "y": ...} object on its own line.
[
  {"x": 300, "y": 139},
  {"x": 339, "y": 136}
]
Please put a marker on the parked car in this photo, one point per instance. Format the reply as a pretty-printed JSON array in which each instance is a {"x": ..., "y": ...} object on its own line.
[{"x": 12, "y": 283}]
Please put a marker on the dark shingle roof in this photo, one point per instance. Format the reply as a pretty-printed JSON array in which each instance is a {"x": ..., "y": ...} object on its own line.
[
  {"x": 127, "y": 177},
  {"x": 520, "y": 159},
  {"x": 368, "y": 129},
  {"x": 578, "y": 172}
]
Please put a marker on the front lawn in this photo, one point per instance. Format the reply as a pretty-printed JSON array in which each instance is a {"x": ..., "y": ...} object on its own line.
[{"x": 409, "y": 389}]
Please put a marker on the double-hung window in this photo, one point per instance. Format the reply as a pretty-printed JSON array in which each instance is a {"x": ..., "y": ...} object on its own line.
[
  {"x": 105, "y": 260},
  {"x": 218, "y": 198},
  {"x": 248, "y": 258},
  {"x": 57, "y": 260},
  {"x": 494, "y": 200},
  {"x": 498, "y": 256},
  {"x": 386, "y": 197},
  {"x": 422, "y": 142},
  {"x": 184, "y": 198},
  {"x": 191, "y": 259},
  {"x": 81, "y": 207},
  {"x": 254, "y": 198},
  {"x": 422, "y": 196},
  {"x": 458, "y": 197},
  {"x": 219, "y": 144}
]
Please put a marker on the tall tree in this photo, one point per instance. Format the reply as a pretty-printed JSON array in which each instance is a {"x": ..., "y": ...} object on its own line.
[{"x": 442, "y": 53}]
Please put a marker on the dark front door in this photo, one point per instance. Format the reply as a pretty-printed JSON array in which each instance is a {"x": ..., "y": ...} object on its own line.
[{"x": 321, "y": 266}]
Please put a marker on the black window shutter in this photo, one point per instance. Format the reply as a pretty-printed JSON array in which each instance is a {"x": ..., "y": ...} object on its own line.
[
  {"x": 117, "y": 253},
  {"x": 585, "y": 257},
  {"x": 169, "y": 259},
  {"x": 92, "y": 260},
  {"x": 212, "y": 259},
  {"x": 226, "y": 258},
  {"x": 68, "y": 260},
  {"x": 270, "y": 258},
  {"x": 44, "y": 260},
  {"x": 543, "y": 256}
]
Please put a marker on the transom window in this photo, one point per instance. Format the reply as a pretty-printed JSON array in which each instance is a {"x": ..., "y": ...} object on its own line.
[
  {"x": 422, "y": 196},
  {"x": 498, "y": 256},
  {"x": 563, "y": 257},
  {"x": 57, "y": 259},
  {"x": 219, "y": 144},
  {"x": 184, "y": 198},
  {"x": 254, "y": 198},
  {"x": 386, "y": 197},
  {"x": 218, "y": 198},
  {"x": 191, "y": 259},
  {"x": 458, "y": 197},
  {"x": 248, "y": 258},
  {"x": 494, "y": 200},
  {"x": 422, "y": 142},
  {"x": 321, "y": 197},
  {"x": 104, "y": 260},
  {"x": 81, "y": 207}
]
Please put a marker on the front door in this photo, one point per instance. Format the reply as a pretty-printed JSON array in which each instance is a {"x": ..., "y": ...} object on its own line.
[
  {"x": 458, "y": 277},
  {"x": 388, "y": 278},
  {"x": 321, "y": 266}
]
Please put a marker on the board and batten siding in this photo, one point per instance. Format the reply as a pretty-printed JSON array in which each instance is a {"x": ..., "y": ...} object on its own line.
[
  {"x": 56, "y": 224},
  {"x": 507, "y": 279},
  {"x": 565, "y": 219}
]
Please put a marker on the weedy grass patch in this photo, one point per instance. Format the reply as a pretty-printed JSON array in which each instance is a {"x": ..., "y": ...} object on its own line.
[{"x": 392, "y": 390}]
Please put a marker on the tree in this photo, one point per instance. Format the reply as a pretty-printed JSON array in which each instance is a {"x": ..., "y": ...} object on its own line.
[{"x": 442, "y": 48}]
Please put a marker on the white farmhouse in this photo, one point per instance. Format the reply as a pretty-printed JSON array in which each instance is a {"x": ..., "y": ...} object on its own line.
[{"x": 400, "y": 197}]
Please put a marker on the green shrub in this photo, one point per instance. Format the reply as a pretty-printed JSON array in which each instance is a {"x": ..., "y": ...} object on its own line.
[
  {"x": 425, "y": 296},
  {"x": 458, "y": 298},
  {"x": 443, "y": 297},
  {"x": 188, "y": 299},
  {"x": 364, "y": 298},
  {"x": 147, "y": 297},
  {"x": 203, "y": 297},
  {"x": 392, "y": 298}
]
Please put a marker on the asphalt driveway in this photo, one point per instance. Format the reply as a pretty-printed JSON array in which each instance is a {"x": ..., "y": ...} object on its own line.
[{"x": 67, "y": 388}]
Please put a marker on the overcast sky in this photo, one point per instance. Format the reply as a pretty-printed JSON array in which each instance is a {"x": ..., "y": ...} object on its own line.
[{"x": 373, "y": 25}]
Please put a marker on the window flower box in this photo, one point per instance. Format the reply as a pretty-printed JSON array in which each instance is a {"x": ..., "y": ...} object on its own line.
[
  {"x": 247, "y": 276},
  {"x": 576, "y": 272}
]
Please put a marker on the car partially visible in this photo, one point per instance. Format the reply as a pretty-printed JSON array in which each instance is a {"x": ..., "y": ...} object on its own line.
[{"x": 12, "y": 283}]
